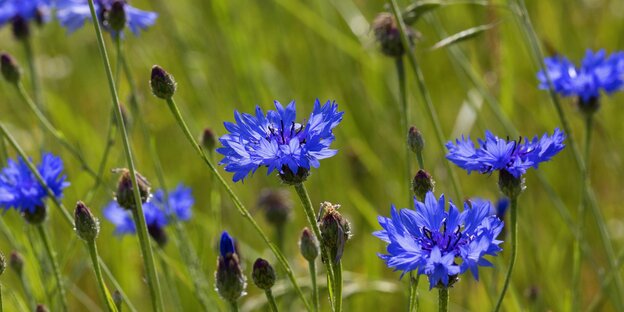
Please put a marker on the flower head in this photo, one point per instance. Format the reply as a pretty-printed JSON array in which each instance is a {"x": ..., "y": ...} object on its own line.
[
  {"x": 439, "y": 243},
  {"x": 24, "y": 10},
  {"x": 20, "y": 189},
  {"x": 72, "y": 14},
  {"x": 494, "y": 153},
  {"x": 598, "y": 71},
  {"x": 278, "y": 142}
]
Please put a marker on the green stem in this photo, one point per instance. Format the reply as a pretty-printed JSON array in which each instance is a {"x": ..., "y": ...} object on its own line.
[
  {"x": 34, "y": 76},
  {"x": 315, "y": 294},
  {"x": 59, "y": 205},
  {"x": 237, "y": 202},
  {"x": 172, "y": 288},
  {"x": 47, "y": 125},
  {"x": 27, "y": 291},
  {"x": 1, "y": 309},
  {"x": 55, "y": 268},
  {"x": 443, "y": 299},
  {"x": 337, "y": 286},
  {"x": 270, "y": 300},
  {"x": 108, "y": 300},
  {"x": 400, "y": 66},
  {"x": 110, "y": 141},
  {"x": 148, "y": 257},
  {"x": 413, "y": 293},
  {"x": 430, "y": 108},
  {"x": 523, "y": 16},
  {"x": 312, "y": 220},
  {"x": 233, "y": 306},
  {"x": 513, "y": 220}
]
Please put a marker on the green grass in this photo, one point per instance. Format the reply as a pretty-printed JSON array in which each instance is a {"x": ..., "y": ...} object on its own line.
[{"x": 230, "y": 55}]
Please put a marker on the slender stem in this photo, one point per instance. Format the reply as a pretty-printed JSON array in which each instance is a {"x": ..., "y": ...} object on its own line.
[
  {"x": 57, "y": 272},
  {"x": 237, "y": 202},
  {"x": 430, "y": 108},
  {"x": 443, "y": 299},
  {"x": 270, "y": 300},
  {"x": 233, "y": 306},
  {"x": 108, "y": 300},
  {"x": 59, "y": 205},
  {"x": 315, "y": 294},
  {"x": 34, "y": 76},
  {"x": 400, "y": 66},
  {"x": 110, "y": 141},
  {"x": 527, "y": 27},
  {"x": 47, "y": 125},
  {"x": 1, "y": 309},
  {"x": 338, "y": 286},
  {"x": 27, "y": 290},
  {"x": 215, "y": 198},
  {"x": 312, "y": 220},
  {"x": 413, "y": 293},
  {"x": 148, "y": 256},
  {"x": 172, "y": 288},
  {"x": 513, "y": 220}
]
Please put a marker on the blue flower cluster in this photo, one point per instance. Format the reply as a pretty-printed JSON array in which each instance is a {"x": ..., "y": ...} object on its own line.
[
  {"x": 72, "y": 14},
  {"x": 27, "y": 10},
  {"x": 495, "y": 153},
  {"x": 597, "y": 72},
  {"x": 277, "y": 141},
  {"x": 431, "y": 240},
  {"x": 156, "y": 211},
  {"x": 20, "y": 189}
]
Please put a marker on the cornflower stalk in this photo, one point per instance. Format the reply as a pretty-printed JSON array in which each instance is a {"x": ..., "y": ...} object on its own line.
[
  {"x": 34, "y": 74},
  {"x": 55, "y": 267},
  {"x": 237, "y": 202},
  {"x": 148, "y": 256},
  {"x": 513, "y": 220},
  {"x": 443, "y": 299},
  {"x": 521, "y": 13},
  {"x": 429, "y": 107}
]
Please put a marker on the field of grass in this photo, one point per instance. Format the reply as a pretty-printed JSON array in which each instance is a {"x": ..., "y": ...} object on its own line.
[{"x": 231, "y": 55}]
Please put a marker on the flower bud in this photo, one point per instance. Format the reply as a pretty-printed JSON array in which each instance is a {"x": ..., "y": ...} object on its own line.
[
  {"x": 16, "y": 262},
  {"x": 36, "y": 215},
  {"x": 125, "y": 193},
  {"x": 263, "y": 274},
  {"x": 2, "y": 263},
  {"x": 230, "y": 281},
  {"x": 87, "y": 226},
  {"x": 509, "y": 185},
  {"x": 388, "y": 35},
  {"x": 308, "y": 245},
  {"x": 291, "y": 178},
  {"x": 21, "y": 29},
  {"x": 10, "y": 70},
  {"x": 209, "y": 139},
  {"x": 158, "y": 234},
  {"x": 117, "y": 299},
  {"x": 588, "y": 107},
  {"x": 162, "y": 83},
  {"x": 41, "y": 308},
  {"x": 422, "y": 184},
  {"x": 116, "y": 16},
  {"x": 277, "y": 206},
  {"x": 335, "y": 231},
  {"x": 415, "y": 141}
]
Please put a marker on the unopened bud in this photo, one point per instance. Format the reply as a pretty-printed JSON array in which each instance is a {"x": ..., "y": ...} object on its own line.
[
  {"x": 277, "y": 206},
  {"x": 21, "y": 29},
  {"x": 158, "y": 234},
  {"x": 41, "y": 308},
  {"x": 209, "y": 139},
  {"x": 125, "y": 193},
  {"x": 10, "y": 70},
  {"x": 388, "y": 35},
  {"x": 422, "y": 184},
  {"x": 87, "y": 226},
  {"x": 16, "y": 262},
  {"x": 308, "y": 245},
  {"x": 162, "y": 83},
  {"x": 335, "y": 230},
  {"x": 2, "y": 263},
  {"x": 263, "y": 274},
  {"x": 230, "y": 281},
  {"x": 36, "y": 215},
  {"x": 509, "y": 185},
  {"x": 116, "y": 16},
  {"x": 415, "y": 141}
]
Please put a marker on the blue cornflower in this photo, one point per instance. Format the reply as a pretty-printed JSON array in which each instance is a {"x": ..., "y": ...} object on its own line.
[
  {"x": 513, "y": 157},
  {"x": 439, "y": 243},
  {"x": 226, "y": 245},
  {"x": 72, "y": 14},
  {"x": 597, "y": 72},
  {"x": 20, "y": 189},
  {"x": 157, "y": 214},
  {"x": 278, "y": 142},
  {"x": 24, "y": 10}
]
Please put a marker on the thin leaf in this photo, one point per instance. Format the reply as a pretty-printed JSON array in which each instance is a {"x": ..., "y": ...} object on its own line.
[
  {"x": 414, "y": 11},
  {"x": 463, "y": 35}
]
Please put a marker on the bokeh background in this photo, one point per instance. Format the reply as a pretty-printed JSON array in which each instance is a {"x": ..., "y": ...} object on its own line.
[{"x": 229, "y": 55}]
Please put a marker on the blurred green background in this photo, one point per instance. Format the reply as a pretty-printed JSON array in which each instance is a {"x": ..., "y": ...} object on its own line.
[{"x": 230, "y": 55}]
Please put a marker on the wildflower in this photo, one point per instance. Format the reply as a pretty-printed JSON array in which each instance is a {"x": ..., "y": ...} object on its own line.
[
  {"x": 208, "y": 139},
  {"x": 20, "y": 12},
  {"x": 388, "y": 35},
  {"x": 125, "y": 193},
  {"x": 278, "y": 142},
  {"x": 162, "y": 83},
  {"x": 597, "y": 72},
  {"x": 277, "y": 206},
  {"x": 335, "y": 231},
  {"x": 263, "y": 274},
  {"x": 87, "y": 225},
  {"x": 9, "y": 68},
  {"x": 422, "y": 184},
  {"x": 72, "y": 14},
  {"x": 230, "y": 281},
  {"x": 415, "y": 140},
  {"x": 308, "y": 245},
  {"x": 20, "y": 189},
  {"x": 439, "y": 243}
]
